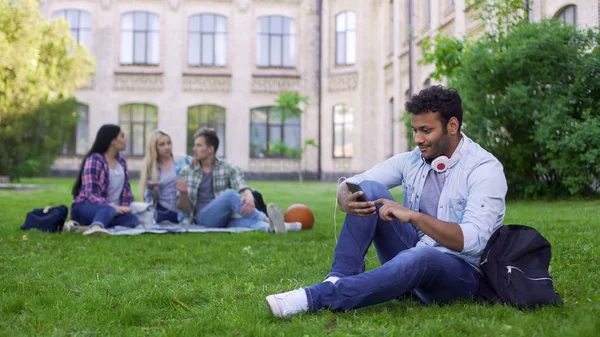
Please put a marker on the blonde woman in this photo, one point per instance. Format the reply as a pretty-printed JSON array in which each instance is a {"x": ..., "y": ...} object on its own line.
[{"x": 159, "y": 176}]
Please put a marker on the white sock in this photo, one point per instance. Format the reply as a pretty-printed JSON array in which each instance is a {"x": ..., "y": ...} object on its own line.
[
  {"x": 293, "y": 226},
  {"x": 332, "y": 279}
]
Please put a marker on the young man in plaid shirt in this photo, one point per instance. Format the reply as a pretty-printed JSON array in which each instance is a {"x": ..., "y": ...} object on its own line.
[{"x": 213, "y": 192}]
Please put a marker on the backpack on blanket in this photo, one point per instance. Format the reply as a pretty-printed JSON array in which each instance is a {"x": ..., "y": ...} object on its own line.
[
  {"x": 49, "y": 219},
  {"x": 515, "y": 265}
]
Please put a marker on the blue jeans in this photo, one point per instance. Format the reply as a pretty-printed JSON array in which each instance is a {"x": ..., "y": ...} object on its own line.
[
  {"x": 434, "y": 277},
  {"x": 217, "y": 214},
  {"x": 163, "y": 214},
  {"x": 89, "y": 213}
]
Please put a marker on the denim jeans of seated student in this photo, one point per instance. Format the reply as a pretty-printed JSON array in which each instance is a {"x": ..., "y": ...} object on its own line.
[
  {"x": 89, "y": 213},
  {"x": 433, "y": 276},
  {"x": 163, "y": 214},
  {"x": 217, "y": 214}
]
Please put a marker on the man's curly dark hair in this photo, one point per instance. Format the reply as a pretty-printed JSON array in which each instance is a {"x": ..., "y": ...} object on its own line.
[{"x": 436, "y": 98}]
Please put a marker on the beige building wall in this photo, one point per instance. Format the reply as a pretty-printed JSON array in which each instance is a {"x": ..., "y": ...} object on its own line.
[{"x": 375, "y": 86}]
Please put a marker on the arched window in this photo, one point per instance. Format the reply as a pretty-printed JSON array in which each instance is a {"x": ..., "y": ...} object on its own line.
[
  {"x": 345, "y": 38},
  {"x": 207, "y": 40},
  {"x": 140, "y": 39},
  {"x": 78, "y": 141},
  {"x": 269, "y": 130},
  {"x": 343, "y": 128},
  {"x": 80, "y": 25},
  {"x": 276, "y": 42},
  {"x": 568, "y": 14},
  {"x": 137, "y": 121},
  {"x": 210, "y": 116}
]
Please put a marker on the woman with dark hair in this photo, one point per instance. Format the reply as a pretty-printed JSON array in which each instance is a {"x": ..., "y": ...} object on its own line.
[{"x": 102, "y": 193}]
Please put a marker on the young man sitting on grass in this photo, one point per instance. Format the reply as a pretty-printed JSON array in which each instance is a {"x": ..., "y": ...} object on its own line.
[
  {"x": 431, "y": 244},
  {"x": 213, "y": 192}
]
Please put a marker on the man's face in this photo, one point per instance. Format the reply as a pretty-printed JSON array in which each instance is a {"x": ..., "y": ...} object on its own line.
[
  {"x": 430, "y": 135},
  {"x": 201, "y": 150}
]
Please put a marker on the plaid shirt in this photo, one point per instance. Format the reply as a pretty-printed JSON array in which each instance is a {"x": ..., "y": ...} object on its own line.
[
  {"x": 94, "y": 181},
  {"x": 225, "y": 176}
]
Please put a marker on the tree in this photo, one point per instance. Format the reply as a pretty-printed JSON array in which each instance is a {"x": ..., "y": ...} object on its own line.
[
  {"x": 531, "y": 97},
  {"x": 288, "y": 105},
  {"x": 41, "y": 66}
]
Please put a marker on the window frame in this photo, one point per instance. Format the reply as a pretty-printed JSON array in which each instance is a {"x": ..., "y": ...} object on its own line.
[
  {"x": 147, "y": 33},
  {"x": 291, "y": 38},
  {"x": 70, "y": 148},
  {"x": 344, "y": 34},
  {"x": 63, "y": 13},
  {"x": 201, "y": 35},
  {"x": 268, "y": 125},
  {"x": 346, "y": 108},
  {"x": 561, "y": 15},
  {"x": 147, "y": 123},
  {"x": 214, "y": 111}
]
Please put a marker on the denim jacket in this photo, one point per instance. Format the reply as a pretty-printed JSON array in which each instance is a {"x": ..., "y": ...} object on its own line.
[{"x": 473, "y": 195}]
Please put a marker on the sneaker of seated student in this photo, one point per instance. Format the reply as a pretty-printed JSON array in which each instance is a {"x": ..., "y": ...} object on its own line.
[
  {"x": 96, "y": 230},
  {"x": 289, "y": 303}
]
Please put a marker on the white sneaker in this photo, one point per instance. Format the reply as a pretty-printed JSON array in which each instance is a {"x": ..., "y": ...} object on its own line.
[
  {"x": 96, "y": 231},
  {"x": 277, "y": 221},
  {"x": 69, "y": 226},
  {"x": 287, "y": 304},
  {"x": 293, "y": 226}
]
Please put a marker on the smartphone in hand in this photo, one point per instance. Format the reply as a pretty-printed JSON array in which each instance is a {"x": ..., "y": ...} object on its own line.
[{"x": 355, "y": 188}]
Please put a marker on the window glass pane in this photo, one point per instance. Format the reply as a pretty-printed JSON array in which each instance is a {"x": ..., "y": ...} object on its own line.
[
  {"x": 340, "y": 22},
  {"x": 139, "y": 55},
  {"x": 126, "y": 127},
  {"x": 73, "y": 18},
  {"x": 259, "y": 116},
  {"x": 154, "y": 48},
  {"x": 85, "y": 20},
  {"x": 291, "y": 134},
  {"x": 74, "y": 34},
  {"x": 340, "y": 50},
  {"x": 258, "y": 140},
  {"x": 151, "y": 115},
  {"x": 338, "y": 140},
  {"x": 126, "y": 48},
  {"x": 263, "y": 24},
  {"x": 289, "y": 51},
  {"x": 85, "y": 38},
  {"x": 351, "y": 20},
  {"x": 274, "y": 133},
  {"x": 276, "y": 26},
  {"x": 140, "y": 21},
  {"x": 207, "y": 49},
  {"x": 275, "y": 57},
  {"x": 350, "y": 47},
  {"x": 127, "y": 21},
  {"x": 138, "y": 113},
  {"x": 338, "y": 114},
  {"x": 348, "y": 144},
  {"x": 262, "y": 56},
  {"x": 221, "y": 24},
  {"x": 349, "y": 116},
  {"x": 221, "y": 50},
  {"x": 194, "y": 23},
  {"x": 194, "y": 49},
  {"x": 58, "y": 14},
  {"x": 153, "y": 22},
  {"x": 288, "y": 26},
  {"x": 208, "y": 23},
  {"x": 138, "y": 139}
]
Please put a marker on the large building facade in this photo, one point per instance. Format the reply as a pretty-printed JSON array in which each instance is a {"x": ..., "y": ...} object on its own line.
[{"x": 178, "y": 65}]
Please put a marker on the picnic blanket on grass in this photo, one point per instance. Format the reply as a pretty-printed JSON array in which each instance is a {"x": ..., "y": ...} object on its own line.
[{"x": 172, "y": 228}]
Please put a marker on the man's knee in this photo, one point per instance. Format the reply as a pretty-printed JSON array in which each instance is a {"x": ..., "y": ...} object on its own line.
[
  {"x": 229, "y": 194},
  {"x": 374, "y": 190},
  {"x": 422, "y": 255}
]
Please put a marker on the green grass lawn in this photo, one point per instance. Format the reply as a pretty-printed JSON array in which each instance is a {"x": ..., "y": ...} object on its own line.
[{"x": 216, "y": 283}]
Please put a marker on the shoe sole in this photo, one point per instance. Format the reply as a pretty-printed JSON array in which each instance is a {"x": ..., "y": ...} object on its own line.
[
  {"x": 96, "y": 233},
  {"x": 276, "y": 216}
]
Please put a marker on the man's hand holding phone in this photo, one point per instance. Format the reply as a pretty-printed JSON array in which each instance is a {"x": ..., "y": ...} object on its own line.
[{"x": 355, "y": 203}]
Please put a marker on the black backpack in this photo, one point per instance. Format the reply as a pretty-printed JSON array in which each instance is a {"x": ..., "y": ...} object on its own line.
[
  {"x": 515, "y": 265},
  {"x": 259, "y": 203},
  {"x": 49, "y": 219}
]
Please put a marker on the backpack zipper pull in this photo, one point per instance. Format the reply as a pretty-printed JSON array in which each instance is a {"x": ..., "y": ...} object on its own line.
[{"x": 509, "y": 271}]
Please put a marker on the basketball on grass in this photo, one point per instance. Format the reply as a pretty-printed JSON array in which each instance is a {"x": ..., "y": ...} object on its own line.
[{"x": 300, "y": 213}]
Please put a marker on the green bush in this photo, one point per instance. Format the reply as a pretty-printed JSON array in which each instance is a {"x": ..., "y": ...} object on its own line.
[
  {"x": 30, "y": 142},
  {"x": 532, "y": 98}
]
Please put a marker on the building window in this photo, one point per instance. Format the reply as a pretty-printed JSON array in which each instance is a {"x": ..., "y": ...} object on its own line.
[
  {"x": 207, "y": 40},
  {"x": 391, "y": 29},
  {"x": 276, "y": 42},
  {"x": 80, "y": 25},
  {"x": 568, "y": 15},
  {"x": 449, "y": 4},
  {"x": 343, "y": 127},
  {"x": 78, "y": 141},
  {"x": 345, "y": 38},
  {"x": 268, "y": 131},
  {"x": 210, "y": 116},
  {"x": 140, "y": 39},
  {"x": 137, "y": 121}
]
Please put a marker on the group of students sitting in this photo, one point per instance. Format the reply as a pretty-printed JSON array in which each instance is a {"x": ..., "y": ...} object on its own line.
[{"x": 201, "y": 189}]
